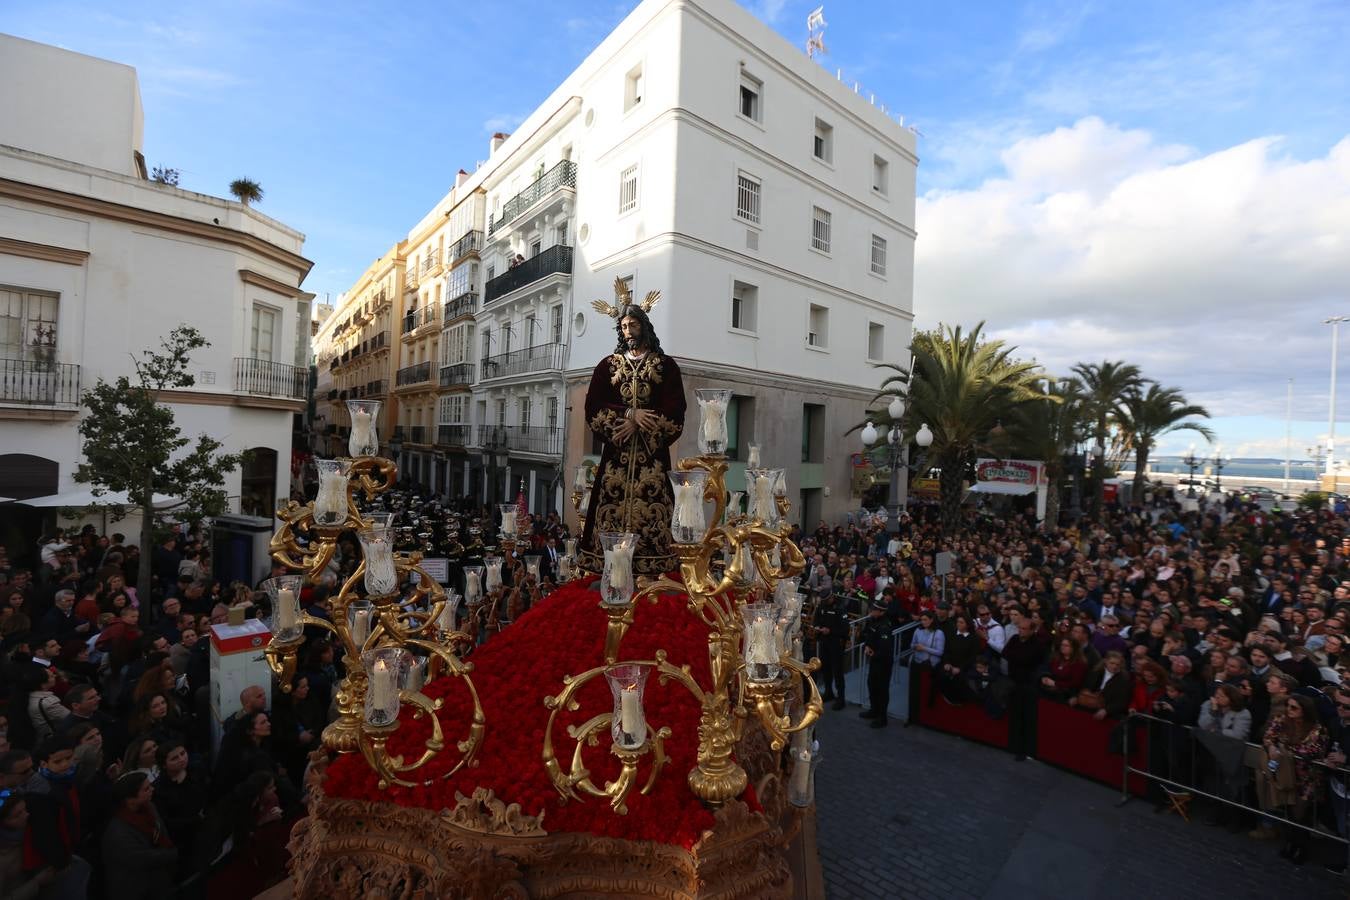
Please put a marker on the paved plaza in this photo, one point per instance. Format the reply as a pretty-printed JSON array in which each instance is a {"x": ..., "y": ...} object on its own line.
[{"x": 908, "y": 812}]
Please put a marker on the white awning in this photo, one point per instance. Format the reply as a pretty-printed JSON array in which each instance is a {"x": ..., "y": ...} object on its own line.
[
  {"x": 1003, "y": 487},
  {"x": 84, "y": 496}
]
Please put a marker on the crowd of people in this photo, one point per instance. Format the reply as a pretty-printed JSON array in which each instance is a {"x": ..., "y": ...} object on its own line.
[{"x": 1225, "y": 626}]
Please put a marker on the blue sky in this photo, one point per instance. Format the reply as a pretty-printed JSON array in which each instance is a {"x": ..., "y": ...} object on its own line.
[{"x": 1167, "y": 183}]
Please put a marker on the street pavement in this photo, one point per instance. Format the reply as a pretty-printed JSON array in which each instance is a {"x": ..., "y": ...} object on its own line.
[{"x": 908, "y": 812}]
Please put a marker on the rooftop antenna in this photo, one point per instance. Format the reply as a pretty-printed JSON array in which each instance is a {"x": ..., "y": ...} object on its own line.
[{"x": 815, "y": 33}]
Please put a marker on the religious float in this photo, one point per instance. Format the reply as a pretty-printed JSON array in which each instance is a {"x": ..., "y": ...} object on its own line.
[{"x": 628, "y": 736}]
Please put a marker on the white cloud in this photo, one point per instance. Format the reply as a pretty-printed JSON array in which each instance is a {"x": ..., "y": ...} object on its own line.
[
  {"x": 768, "y": 10},
  {"x": 506, "y": 122},
  {"x": 1212, "y": 272}
]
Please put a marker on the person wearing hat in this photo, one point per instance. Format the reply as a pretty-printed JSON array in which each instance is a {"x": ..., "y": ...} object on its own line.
[
  {"x": 878, "y": 643},
  {"x": 830, "y": 625}
]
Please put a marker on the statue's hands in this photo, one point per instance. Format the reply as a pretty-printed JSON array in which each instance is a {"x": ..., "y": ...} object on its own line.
[
  {"x": 645, "y": 419},
  {"x": 627, "y": 428}
]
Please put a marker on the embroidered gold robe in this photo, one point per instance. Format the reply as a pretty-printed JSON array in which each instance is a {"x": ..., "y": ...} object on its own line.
[{"x": 632, "y": 491}]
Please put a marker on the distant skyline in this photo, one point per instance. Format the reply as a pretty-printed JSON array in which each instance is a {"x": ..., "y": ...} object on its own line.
[{"x": 1163, "y": 183}]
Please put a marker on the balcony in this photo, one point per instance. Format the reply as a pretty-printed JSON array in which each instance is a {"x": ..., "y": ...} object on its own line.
[
  {"x": 376, "y": 388},
  {"x": 526, "y": 438},
  {"x": 539, "y": 358},
  {"x": 332, "y": 395},
  {"x": 464, "y": 305},
  {"x": 555, "y": 260},
  {"x": 452, "y": 435},
  {"x": 39, "y": 383},
  {"x": 431, "y": 266},
  {"x": 410, "y": 375},
  {"x": 417, "y": 434},
  {"x": 270, "y": 379},
  {"x": 563, "y": 175},
  {"x": 409, "y": 280},
  {"x": 378, "y": 342},
  {"x": 418, "y": 319},
  {"x": 457, "y": 375},
  {"x": 467, "y": 246}
]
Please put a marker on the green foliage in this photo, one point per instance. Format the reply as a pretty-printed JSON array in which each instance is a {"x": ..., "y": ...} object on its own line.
[
  {"x": 246, "y": 190},
  {"x": 1147, "y": 415},
  {"x": 132, "y": 444},
  {"x": 1312, "y": 501},
  {"x": 1104, "y": 386}
]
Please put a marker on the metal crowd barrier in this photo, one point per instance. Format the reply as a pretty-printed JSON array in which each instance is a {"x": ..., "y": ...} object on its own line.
[{"x": 1192, "y": 750}]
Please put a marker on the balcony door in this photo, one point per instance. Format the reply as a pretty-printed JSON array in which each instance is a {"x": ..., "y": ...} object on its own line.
[
  {"x": 262, "y": 340},
  {"x": 27, "y": 325}
]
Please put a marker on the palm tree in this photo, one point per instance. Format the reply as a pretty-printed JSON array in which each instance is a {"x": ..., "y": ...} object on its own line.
[
  {"x": 961, "y": 386},
  {"x": 1048, "y": 428},
  {"x": 246, "y": 190},
  {"x": 1104, "y": 387},
  {"x": 1148, "y": 415}
]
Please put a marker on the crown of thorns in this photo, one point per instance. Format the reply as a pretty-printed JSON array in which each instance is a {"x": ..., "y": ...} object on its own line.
[{"x": 623, "y": 298}]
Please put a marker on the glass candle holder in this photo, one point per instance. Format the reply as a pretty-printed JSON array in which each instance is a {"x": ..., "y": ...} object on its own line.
[
  {"x": 761, "y": 644},
  {"x": 802, "y": 783},
  {"x": 687, "y": 521},
  {"x": 752, "y": 456},
  {"x": 285, "y": 593},
  {"x": 416, "y": 678},
  {"x": 571, "y": 547},
  {"x": 744, "y": 561},
  {"x": 712, "y": 428},
  {"x": 377, "y": 544},
  {"x": 473, "y": 585},
  {"x": 510, "y": 514},
  {"x": 360, "y": 614},
  {"x": 628, "y": 727},
  {"x": 616, "y": 581},
  {"x": 581, "y": 478},
  {"x": 532, "y": 561},
  {"x": 585, "y": 501},
  {"x": 493, "y": 564},
  {"x": 734, "y": 504},
  {"x": 446, "y": 620},
  {"x": 564, "y": 569},
  {"x": 779, "y": 482},
  {"x": 330, "y": 504},
  {"x": 788, "y": 617},
  {"x": 365, "y": 436},
  {"x": 762, "y": 507},
  {"x": 386, "y": 672}
]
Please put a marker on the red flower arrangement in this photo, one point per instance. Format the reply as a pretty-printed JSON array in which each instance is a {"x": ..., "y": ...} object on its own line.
[{"x": 513, "y": 672}]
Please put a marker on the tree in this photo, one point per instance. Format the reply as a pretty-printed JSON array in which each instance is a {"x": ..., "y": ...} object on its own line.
[
  {"x": 961, "y": 386},
  {"x": 1047, "y": 428},
  {"x": 1104, "y": 387},
  {"x": 246, "y": 190},
  {"x": 131, "y": 444},
  {"x": 164, "y": 175},
  {"x": 1148, "y": 415}
]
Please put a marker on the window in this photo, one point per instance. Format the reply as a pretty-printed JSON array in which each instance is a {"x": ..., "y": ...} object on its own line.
[
  {"x": 487, "y": 343},
  {"x": 822, "y": 145},
  {"x": 560, "y": 232},
  {"x": 506, "y": 337},
  {"x": 552, "y": 413},
  {"x": 457, "y": 344},
  {"x": 878, "y": 255},
  {"x": 880, "y": 174},
  {"x": 740, "y": 425},
  {"x": 556, "y": 323},
  {"x": 632, "y": 88},
  {"x": 501, "y": 413},
  {"x": 263, "y": 337},
  {"x": 530, "y": 323},
  {"x": 744, "y": 300},
  {"x": 747, "y": 198},
  {"x": 820, "y": 229},
  {"x": 535, "y": 247},
  {"x": 876, "y": 341},
  {"x": 813, "y": 433},
  {"x": 818, "y": 327},
  {"x": 524, "y": 407},
  {"x": 751, "y": 97},
  {"x": 491, "y": 271},
  {"x": 27, "y": 325},
  {"x": 628, "y": 189}
]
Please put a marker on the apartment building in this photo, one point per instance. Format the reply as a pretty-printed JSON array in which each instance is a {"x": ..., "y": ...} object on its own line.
[
  {"x": 97, "y": 263},
  {"x": 697, "y": 153}
]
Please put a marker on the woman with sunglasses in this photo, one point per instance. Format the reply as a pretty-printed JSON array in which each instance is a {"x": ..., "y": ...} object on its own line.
[{"x": 1295, "y": 743}]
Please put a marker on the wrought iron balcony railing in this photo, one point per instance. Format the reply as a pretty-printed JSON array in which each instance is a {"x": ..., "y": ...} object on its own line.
[
  {"x": 39, "y": 383},
  {"x": 452, "y": 435},
  {"x": 419, "y": 317},
  {"x": 469, "y": 245},
  {"x": 457, "y": 374},
  {"x": 563, "y": 175},
  {"x": 539, "y": 358},
  {"x": 376, "y": 388},
  {"x": 413, "y": 374},
  {"x": 526, "y": 438},
  {"x": 270, "y": 379},
  {"x": 465, "y": 304},
  {"x": 417, "y": 434},
  {"x": 556, "y": 259}
]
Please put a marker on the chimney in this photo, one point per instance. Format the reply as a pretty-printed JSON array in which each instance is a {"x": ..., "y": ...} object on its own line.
[
  {"x": 461, "y": 177},
  {"x": 497, "y": 140}
]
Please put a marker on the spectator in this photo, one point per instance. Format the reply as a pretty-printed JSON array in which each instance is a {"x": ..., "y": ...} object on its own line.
[
  {"x": 44, "y": 708},
  {"x": 1108, "y": 690},
  {"x": 298, "y": 723},
  {"x": 1025, "y": 653},
  {"x": 1291, "y": 779},
  {"x": 15, "y": 882},
  {"x": 929, "y": 641},
  {"x": 258, "y": 827},
  {"x": 141, "y": 756},
  {"x": 139, "y": 858},
  {"x": 54, "y": 818},
  {"x": 181, "y": 796},
  {"x": 1068, "y": 670}
]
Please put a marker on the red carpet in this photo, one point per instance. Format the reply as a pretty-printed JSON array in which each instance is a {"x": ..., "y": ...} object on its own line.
[{"x": 513, "y": 671}]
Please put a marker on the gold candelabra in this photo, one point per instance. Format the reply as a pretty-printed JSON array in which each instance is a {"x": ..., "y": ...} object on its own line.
[{"x": 745, "y": 676}]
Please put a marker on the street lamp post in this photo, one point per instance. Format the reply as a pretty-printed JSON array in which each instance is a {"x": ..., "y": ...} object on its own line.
[
  {"x": 1335, "y": 323},
  {"x": 895, "y": 443},
  {"x": 1192, "y": 462},
  {"x": 1219, "y": 462}
]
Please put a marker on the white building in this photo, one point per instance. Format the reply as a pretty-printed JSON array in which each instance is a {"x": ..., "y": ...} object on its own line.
[
  {"x": 697, "y": 153},
  {"x": 97, "y": 263}
]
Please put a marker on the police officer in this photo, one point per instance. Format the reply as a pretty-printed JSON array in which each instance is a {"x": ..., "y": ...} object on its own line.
[
  {"x": 878, "y": 643},
  {"x": 830, "y": 626}
]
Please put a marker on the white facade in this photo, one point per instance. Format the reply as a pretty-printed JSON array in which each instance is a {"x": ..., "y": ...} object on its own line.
[{"x": 98, "y": 264}]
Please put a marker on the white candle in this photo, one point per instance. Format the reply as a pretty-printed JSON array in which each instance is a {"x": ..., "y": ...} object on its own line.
[
  {"x": 620, "y": 560},
  {"x": 571, "y": 544},
  {"x": 762, "y": 642},
  {"x": 763, "y": 499},
  {"x": 801, "y": 742},
  {"x": 734, "y": 504},
  {"x": 801, "y": 774},
  {"x": 494, "y": 574},
  {"x": 384, "y": 687},
  {"x": 714, "y": 421},
  {"x": 331, "y": 501},
  {"x": 361, "y": 428},
  {"x": 360, "y": 627},
  {"x": 752, "y": 462},
  {"x": 446, "y": 622},
  {"x": 579, "y": 482},
  {"x": 381, "y": 576},
  {"x": 508, "y": 522},
  {"x": 688, "y": 506},
  {"x": 286, "y": 610},
  {"x": 630, "y": 709},
  {"x": 473, "y": 589}
]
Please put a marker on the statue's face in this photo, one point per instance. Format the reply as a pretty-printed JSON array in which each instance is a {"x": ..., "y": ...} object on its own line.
[{"x": 631, "y": 329}]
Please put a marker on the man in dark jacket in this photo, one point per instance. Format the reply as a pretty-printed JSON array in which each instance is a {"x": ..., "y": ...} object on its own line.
[
  {"x": 1025, "y": 653},
  {"x": 831, "y": 629},
  {"x": 879, "y": 644},
  {"x": 54, "y": 819}
]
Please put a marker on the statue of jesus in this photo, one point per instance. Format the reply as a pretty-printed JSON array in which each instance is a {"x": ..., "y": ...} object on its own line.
[{"x": 635, "y": 405}]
